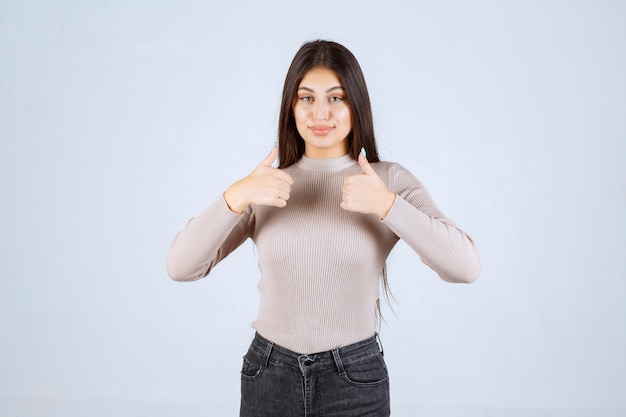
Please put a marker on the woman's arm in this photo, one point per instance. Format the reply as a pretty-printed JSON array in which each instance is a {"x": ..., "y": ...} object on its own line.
[
  {"x": 220, "y": 229},
  {"x": 439, "y": 242},
  {"x": 206, "y": 240}
]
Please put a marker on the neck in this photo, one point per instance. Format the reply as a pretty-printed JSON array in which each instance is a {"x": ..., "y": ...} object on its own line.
[{"x": 326, "y": 164}]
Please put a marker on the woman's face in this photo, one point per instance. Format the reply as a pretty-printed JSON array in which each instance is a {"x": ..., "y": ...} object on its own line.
[{"x": 322, "y": 114}]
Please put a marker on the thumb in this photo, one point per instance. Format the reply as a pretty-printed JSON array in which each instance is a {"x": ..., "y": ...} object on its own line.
[
  {"x": 365, "y": 165},
  {"x": 269, "y": 159}
]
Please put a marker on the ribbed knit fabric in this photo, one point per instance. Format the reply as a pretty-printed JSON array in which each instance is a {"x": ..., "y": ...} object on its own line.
[{"x": 320, "y": 265}]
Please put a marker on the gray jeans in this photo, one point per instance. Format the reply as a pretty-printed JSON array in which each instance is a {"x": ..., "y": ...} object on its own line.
[{"x": 350, "y": 381}]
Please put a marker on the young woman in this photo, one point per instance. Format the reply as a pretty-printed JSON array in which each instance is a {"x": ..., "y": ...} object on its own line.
[{"x": 324, "y": 223}]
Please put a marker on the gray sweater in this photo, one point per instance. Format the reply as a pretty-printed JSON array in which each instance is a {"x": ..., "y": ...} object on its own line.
[{"x": 321, "y": 265}]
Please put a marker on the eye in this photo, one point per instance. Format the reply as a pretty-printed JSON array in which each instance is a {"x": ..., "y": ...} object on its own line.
[
  {"x": 306, "y": 99},
  {"x": 336, "y": 99}
]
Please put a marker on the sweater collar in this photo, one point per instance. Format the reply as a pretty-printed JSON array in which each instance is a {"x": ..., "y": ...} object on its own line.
[{"x": 326, "y": 164}]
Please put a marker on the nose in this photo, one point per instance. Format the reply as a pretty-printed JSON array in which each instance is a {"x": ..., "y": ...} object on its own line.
[{"x": 321, "y": 110}]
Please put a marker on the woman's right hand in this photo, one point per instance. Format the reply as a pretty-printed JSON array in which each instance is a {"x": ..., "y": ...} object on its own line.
[{"x": 264, "y": 186}]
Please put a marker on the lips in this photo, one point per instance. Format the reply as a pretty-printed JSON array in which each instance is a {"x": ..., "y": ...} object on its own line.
[{"x": 321, "y": 130}]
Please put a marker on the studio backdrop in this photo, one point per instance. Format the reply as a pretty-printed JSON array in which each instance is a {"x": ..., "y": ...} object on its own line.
[{"x": 121, "y": 120}]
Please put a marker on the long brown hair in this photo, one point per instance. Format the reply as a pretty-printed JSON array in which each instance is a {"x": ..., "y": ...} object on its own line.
[{"x": 337, "y": 58}]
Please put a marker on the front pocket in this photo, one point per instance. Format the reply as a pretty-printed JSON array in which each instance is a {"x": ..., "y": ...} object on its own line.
[
  {"x": 252, "y": 366},
  {"x": 368, "y": 372}
]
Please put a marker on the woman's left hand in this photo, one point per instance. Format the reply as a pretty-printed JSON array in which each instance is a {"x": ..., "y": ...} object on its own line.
[{"x": 366, "y": 192}]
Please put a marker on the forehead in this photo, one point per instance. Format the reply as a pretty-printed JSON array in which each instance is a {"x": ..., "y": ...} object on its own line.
[{"x": 320, "y": 77}]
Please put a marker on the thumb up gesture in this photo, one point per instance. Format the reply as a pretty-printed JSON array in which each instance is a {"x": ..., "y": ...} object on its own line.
[
  {"x": 366, "y": 192},
  {"x": 264, "y": 186}
]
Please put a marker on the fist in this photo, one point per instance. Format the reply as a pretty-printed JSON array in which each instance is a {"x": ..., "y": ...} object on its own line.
[
  {"x": 366, "y": 192},
  {"x": 264, "y": 186}
]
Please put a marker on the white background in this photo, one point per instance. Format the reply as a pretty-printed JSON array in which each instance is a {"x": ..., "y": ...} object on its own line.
[{"x": 119, "y": 120}]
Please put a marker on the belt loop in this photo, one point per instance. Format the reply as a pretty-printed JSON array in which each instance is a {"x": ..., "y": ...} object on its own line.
[
  {"x": 338, "y": 362},
  {"x": 268, "y": 350},
  {"x": 380, "y": 344}
]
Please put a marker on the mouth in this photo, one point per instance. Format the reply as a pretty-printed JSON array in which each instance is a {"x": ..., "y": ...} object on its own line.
[{"x": 321, "y": 130}]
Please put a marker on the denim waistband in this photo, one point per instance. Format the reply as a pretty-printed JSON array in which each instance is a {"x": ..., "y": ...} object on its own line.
[{"x": 335, "y": 358}]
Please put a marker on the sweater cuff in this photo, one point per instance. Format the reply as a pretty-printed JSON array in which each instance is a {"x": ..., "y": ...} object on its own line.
[
  {"x": 219, "y": 212},
  {"x": 400, "y": 211}
]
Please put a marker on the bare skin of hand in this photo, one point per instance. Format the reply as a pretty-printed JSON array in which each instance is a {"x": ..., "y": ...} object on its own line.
[
  {"x": 264, "y": 186},
  {"x": 366, "y": 192}
]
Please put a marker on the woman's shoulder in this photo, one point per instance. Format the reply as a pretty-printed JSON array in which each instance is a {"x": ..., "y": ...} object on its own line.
[
  {"x": 385, "y": 164},
  {"x": 395, "y": 173},
  {"x": 389, "y": 167}
]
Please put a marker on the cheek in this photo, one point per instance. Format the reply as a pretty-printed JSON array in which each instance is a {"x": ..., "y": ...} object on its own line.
[
  {"x": 346, "y": 116},
  {"x": 301, "y": 123},
  {"x": 299, "y": 115},
  {"x": 342, "y": 111}
]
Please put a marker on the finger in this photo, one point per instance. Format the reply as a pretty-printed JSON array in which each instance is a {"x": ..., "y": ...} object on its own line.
[
  {"x": 345, "y": 189},
  {"x": 344, "y": 205},
  {"x": 365, "y": 166},
  {"x": 279, "y": 180},
  {"x": 283, "y": 187},
  {"x": 285, "y": 195},
  {"x": 345, "y": 197},
  {"x": 279, "y": 201},
  {"x": 269, "y": 159},
  {"x": 285, "y": 177}
]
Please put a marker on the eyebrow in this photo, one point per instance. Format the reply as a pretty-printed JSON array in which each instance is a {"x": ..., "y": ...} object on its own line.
[{"x": 338, "y": 87}]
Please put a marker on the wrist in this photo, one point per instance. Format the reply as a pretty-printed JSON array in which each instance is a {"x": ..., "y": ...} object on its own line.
[
  {"x": 389, "y": 200},
  {"x": 233, "y": 201}
]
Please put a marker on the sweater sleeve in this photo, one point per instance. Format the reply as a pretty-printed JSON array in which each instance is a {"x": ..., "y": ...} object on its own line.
[
  {"x": 439, "y": 242},
  {"x": 206, "y": 240}
]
